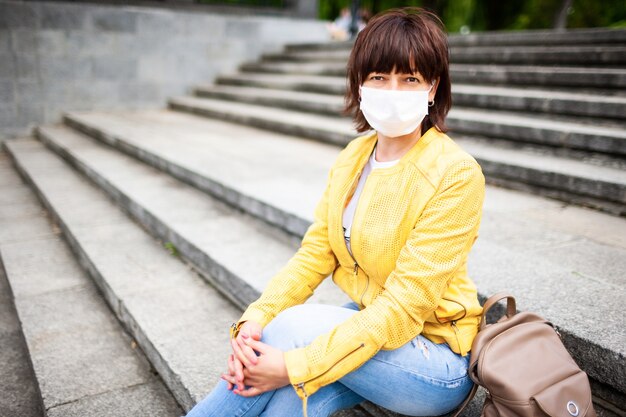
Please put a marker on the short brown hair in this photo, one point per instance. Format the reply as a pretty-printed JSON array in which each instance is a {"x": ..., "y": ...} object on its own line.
[{"x": 408, "y": 39}]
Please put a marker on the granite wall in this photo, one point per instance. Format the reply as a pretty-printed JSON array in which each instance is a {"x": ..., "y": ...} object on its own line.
[{"x": 78, "y": 56}]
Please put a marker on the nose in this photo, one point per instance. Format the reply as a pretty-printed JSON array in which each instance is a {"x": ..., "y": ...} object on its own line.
[{"x": 393, "y": 84}]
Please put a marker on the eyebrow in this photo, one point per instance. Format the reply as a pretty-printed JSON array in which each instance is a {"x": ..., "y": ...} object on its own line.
[{"x": 413, "y": 74}]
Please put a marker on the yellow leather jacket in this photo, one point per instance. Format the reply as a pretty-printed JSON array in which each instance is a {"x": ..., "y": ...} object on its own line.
[{"x": 412, "y": 231}]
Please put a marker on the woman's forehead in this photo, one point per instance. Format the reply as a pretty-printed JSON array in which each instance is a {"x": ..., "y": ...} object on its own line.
[{"x": 394, "y": 71}]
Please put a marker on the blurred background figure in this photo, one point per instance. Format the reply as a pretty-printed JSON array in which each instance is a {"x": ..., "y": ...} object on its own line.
[{"x": 340, "y": 28}]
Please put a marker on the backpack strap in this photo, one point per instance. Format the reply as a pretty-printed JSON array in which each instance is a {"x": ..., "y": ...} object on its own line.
[
  {"x": 511, "y": 308},
  {"x": 469, "y": 398}
]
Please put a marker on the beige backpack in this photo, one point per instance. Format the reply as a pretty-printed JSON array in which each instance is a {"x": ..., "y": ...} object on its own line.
[{"x": 525, "y": 369}]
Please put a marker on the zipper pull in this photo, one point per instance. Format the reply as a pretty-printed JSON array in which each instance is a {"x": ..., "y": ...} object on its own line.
[
  {"x": 456, "y": 333},
  {"x": 300, "y": 386},
  {"x": 453, "y": 324},
  {"x": 356, "y": 269}
]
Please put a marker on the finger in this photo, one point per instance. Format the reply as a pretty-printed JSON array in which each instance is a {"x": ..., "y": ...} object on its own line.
[
  {"x": 251, "y": 379},
  {"x": 231, "y": 370},
  {"x": 249, "y": 392},
  {"x": 247, "y": 350},
  {"x": 253, "y": 329},
  {"x": 254, "y": 334},
  {"x": 239, "y": 377},
  {"x": 257, "y": 345},
  {"x": 231, "y": 364},
  {"x": 239, "y": 353},
  {"x": 230, "y": 380}
]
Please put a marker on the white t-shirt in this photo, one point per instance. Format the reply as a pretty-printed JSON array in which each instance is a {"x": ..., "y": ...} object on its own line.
[{"x": 348, "y": 213}]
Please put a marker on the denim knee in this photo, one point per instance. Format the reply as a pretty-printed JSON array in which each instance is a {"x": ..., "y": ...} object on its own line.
[
  {"x": 299, "y": 325},
  {"x": 285, "y": 330}
]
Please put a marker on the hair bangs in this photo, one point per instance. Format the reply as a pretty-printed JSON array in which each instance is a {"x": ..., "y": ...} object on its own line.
[{"x": 387, "y": 53}]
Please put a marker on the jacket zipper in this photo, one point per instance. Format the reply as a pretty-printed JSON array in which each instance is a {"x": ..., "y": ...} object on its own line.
[
  {"x": 300, "y": 385},
  {"x": 355, "y": 272},
  {"x": 367, "y": 284},
  {"x": 456, "y": 333}
]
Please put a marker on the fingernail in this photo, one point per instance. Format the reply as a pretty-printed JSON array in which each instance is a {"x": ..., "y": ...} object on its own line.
[{"x": 244, "y": 335}]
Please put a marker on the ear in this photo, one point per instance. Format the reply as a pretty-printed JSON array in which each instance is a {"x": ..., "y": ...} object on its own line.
[{"x": 433, "y": 91}]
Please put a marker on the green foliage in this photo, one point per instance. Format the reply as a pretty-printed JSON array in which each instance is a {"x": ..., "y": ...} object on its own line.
[
  {"x": 459, "y": 14},
  {"x": 480, "y": 15},
  {"x": 588, "y": 13},
  {"x": 171, "y": 248}
]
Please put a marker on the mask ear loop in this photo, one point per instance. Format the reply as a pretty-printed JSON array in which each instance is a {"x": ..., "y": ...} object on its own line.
[{"x": 431, "y": 103}]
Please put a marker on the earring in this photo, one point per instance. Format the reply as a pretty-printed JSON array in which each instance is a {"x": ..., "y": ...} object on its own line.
[{"x": 431, "y": 103}]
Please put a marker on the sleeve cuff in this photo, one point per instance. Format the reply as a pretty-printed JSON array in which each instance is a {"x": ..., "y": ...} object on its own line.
[
  {"x": 296, "y": 364},
  {"x": 249, "y": 314}
]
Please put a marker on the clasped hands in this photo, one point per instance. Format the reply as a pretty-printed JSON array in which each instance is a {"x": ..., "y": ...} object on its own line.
[{"x": 254, "y": 367}]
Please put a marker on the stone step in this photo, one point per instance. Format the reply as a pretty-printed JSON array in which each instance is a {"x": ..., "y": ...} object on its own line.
[
  {"x": 605, "y": 187},
  {"x": 565, "y": 179},
  {"x": 568, "y": 76},
  {"x": 18, "y": 385},
  {"x": 518, "y": 127},
  {"x": 291, "y": 99},
  {"x": 504, "y": 38},
  {"x": 547, "y": 76},
  {"x": 292, "y": 68},
  {"x": 180, "y": 322},
  {"x": 537, "y": 244},
  {"x": 294, "y": 82},
  {"x": 323, "y": 128},
  {"x": 575, "y": 37},
  {"x": 542, "y": 101},
  {"x": 270, "y": 92},
  {"x": 594, "y": 56},
  {"x": 176, "y": 318},
  {"x": 84, "y": 362},
  {"x": 527, "y": 128},
  {"x": 326, "y": 104}
]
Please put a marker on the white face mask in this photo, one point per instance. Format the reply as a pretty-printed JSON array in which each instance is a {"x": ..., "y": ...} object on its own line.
[{"x": 394, "y": 112}]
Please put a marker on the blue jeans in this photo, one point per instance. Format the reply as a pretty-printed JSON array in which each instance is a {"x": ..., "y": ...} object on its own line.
[{"x": 421, "y": 378}]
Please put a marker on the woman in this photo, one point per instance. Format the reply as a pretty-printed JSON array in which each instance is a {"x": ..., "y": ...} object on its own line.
[{"x": 394, "y": 227}]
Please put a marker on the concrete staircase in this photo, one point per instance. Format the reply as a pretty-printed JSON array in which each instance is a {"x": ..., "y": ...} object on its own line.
[{"x": 176, "y": 221}]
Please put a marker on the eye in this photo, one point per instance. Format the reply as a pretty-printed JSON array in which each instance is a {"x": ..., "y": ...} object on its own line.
[
  {"x": 377, "y": 77},
  {"x": 413, "y": 79}
]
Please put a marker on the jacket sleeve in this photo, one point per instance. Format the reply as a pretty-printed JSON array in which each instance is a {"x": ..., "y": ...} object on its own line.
[
  {"x": 297, "y": 280},
  {"x": 435, "y": 249}
]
